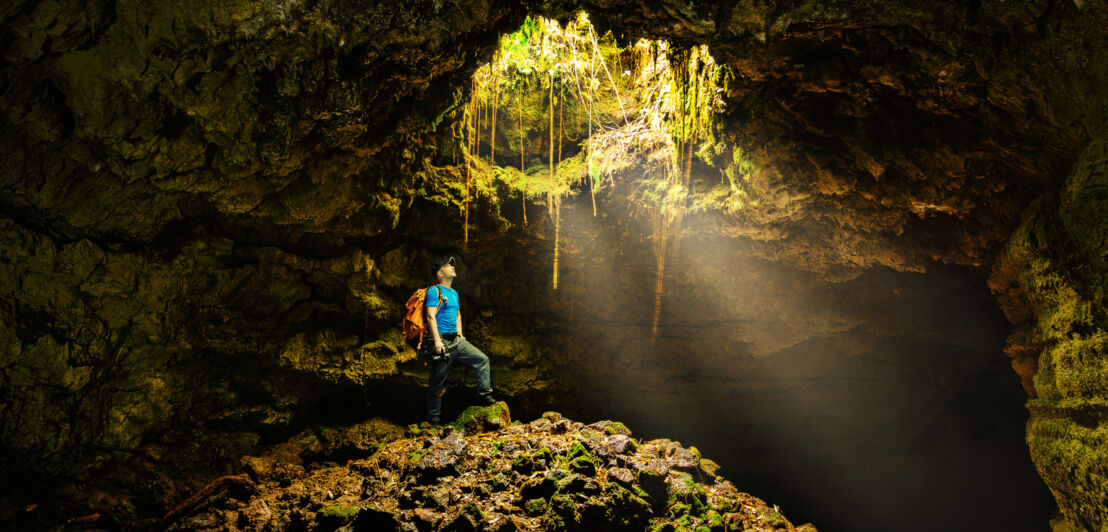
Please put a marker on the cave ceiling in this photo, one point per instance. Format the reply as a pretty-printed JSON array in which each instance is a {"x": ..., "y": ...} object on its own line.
[{"x": 890, "y": 134}]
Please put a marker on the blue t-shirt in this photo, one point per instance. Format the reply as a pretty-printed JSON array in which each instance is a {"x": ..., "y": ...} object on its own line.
[{"x": 447, "y": 317}]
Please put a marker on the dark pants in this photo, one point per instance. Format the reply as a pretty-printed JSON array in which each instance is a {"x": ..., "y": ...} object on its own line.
[{"x": 461, "y": 351}]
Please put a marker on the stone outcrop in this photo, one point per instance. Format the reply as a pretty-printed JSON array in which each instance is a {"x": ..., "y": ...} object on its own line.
[
  {"x": 1051, "y": 282},
  {"x": 550, "y": 474}
]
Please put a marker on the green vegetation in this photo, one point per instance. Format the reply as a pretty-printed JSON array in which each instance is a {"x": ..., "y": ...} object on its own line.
[
  {"x": 561, "y": 110},
  {"x": 334, "y": 517},
  {"x": 1053, "y": 259}
]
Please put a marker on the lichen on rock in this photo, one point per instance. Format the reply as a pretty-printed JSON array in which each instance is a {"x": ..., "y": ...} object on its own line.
[
  {"x": 1052, "y": 280},
  {"x": 470, "y": 480}
]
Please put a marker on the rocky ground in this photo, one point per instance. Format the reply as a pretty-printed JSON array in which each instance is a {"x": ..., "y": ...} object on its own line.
[{"x": 486, "y": 472}]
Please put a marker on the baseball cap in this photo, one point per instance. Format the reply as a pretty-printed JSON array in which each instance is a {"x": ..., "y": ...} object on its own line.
[{"x": 439, "y": 263}]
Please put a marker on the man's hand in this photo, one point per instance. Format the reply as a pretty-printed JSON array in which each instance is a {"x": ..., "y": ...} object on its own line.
[{"x": 440, "y": 348}]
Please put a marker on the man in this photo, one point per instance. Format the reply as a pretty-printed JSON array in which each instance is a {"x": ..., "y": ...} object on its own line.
[{"x": 444, "y": 319}]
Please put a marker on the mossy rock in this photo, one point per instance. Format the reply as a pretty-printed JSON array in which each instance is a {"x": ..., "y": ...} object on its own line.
[
  {"x": 333, "y": 517},
  {"x": 535, "y": 506},
  {"x": 561, "y": 514},
  {"x": 484, "y": 418},
  {"x": 581, "y": 460},
  {"x": 686, "y": 496},
  {"x": 615, "y": 427},
  {"x": 623, "y": 509}
]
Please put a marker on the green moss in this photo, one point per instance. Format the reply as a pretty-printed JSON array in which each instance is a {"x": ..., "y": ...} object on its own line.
[
  {"x": 713, "y": 520},
  {"x": 686, "y": 495},
  {"x": 1072, "y": 457},
  {"x": 416, "y": 455},
  {"x": 561, "y": 513},
  {"x": 333, "y": 517},
  {"x": 615, "y": 427},
  {"x": 583, "y": 465},
  {"x": 581, "y": 460},
  {"x": 1056, "y": 257},
  {"x": 478, "y": 418},
  {"x": 577, "y": 449},
  {"x": 527, "y": 462},
  {"x": 475, "y": 511},
  {"x": 535, "y": 506}
]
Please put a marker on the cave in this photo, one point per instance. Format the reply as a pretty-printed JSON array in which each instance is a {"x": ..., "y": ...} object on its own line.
[{"x": 854, "y": 253}]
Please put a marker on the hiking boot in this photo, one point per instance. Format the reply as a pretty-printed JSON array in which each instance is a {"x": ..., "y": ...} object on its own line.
[{"x": 487, "y": 400}]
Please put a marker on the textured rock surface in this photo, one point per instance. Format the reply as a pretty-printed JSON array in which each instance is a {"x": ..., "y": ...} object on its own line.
[
  {"x": 550, "y": 474},
  {"x": 1052, "y": 281},
  {"x": 211, "y": 212}
]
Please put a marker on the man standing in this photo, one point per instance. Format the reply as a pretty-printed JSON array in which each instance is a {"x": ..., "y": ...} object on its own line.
[{"x": 444, "y": 319}]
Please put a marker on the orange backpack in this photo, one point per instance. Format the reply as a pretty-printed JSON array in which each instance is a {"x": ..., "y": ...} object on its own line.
[{"x": 414, "y": 326}]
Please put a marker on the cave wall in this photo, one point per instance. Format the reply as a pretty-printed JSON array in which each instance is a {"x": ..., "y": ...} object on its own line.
[
  {"x": 212, "y": 212},
  {"x": 1051, "y": 282}
]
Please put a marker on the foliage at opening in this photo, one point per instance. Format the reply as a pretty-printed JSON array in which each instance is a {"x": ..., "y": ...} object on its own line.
[{"x": 561, "y": 111}]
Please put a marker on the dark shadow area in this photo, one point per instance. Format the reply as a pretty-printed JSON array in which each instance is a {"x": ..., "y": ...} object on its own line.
[{"x": 883, "y": 402}]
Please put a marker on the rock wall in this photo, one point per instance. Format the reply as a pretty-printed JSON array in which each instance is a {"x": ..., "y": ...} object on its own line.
[{"x": 1051, "y": 281}]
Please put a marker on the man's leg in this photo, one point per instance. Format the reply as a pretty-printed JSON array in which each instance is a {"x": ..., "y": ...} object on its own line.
[
  {"x": 469, "y": 355},
  {"x": 436, "y": 385}
]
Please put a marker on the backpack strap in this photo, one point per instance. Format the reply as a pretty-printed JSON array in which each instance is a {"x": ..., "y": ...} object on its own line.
[{"x": 442, "y": 298}]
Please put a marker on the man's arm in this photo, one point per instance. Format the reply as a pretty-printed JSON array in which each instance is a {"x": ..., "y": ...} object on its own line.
[
  {"x": 463, "y": 337},
  {"x": 433, "y": 324}
]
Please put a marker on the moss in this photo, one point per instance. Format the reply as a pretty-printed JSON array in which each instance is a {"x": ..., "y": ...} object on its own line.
[
  {"x": 1071, "y": 456},
  {"x": 615, "y": 427},
  {"x": 581, "y": 460},
  {"x": 686, "y": 495},
  {"x": 523, "y": 463},
  {"x": 480, "y": 418},
  {"x": 713, "y": 520},
  {"x": 475, "y": 511},
  {"x": 1055, "y": 261},
  {"x": 544, "y": 455},
  {"x": 417, "y": 454},
  {"x": 577, "y": 449},
  {"x": 584, "y": 465},
  {"x": 535, "y": 506},
  {"x": 333, "y": 517},
  {"x": 561, "y": 513}
]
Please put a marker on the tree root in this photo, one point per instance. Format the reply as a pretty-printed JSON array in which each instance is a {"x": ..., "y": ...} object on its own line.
[{"x": 237, "y": 486}]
